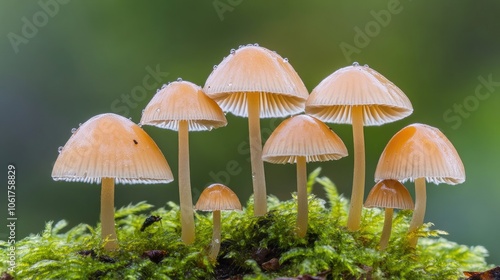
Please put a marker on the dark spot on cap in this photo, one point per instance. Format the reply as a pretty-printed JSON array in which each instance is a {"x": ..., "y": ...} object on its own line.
[{"x": 135, "y": 142}]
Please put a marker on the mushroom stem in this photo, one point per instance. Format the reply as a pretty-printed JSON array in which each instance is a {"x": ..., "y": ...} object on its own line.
[
  {"x": 258, "y": 176},
  {"x": 358, "y": 182},
  {"x": 418, "y": 214},
  {"x": 215, "y": 247},
  {"x": 186, "y": 200},
  {"x": 108, "y": 232},
  {"x": 302, "y": 211},
  {"x": 386, "y": 231}
]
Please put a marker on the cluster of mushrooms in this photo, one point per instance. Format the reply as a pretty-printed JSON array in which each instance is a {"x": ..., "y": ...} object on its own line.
[{"x": 255, "y": 82}]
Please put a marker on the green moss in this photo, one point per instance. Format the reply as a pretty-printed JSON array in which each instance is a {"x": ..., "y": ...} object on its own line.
[{"x": 248, "y": 245}]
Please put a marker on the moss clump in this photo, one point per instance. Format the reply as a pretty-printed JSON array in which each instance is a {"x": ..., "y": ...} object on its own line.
[{"x": 252, "y": 247}]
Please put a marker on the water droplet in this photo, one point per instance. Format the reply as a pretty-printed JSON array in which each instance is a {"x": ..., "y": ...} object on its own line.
[
  {"x": 59, "y": 150},
  {"x": 355, "y": 63},
  {"x": 158, "y": 110},
  {"x": 143, "y": 110},
  {"x": 217, "y": 240},
  {"x": 367, "y": 66},
  {"x": 253, "y": 175},
  {"x": 215, "y": 66},
  {"x": 285, "y": 59},
  {"x": 256, "y": 44},
  {"x": 232, "y": 51},
  {"x": 179, "y": 79},
  {"x": 80, "y": 124},
  {"x": 240, "y": 46},
  {"x": 230, "y": 84},
  {"x": 163, "y": 86},
  {"x": 73, "y": 130},
  {"x": 158, "y": 90},
  {"x": 130, "y": 118},
  {"x": 169, "y": 83}
]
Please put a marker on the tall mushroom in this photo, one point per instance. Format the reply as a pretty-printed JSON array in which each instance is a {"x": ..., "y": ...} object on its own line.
[
  {"x": 419, "y": 152},
  {"x": 109, "y": 148},
  {"x": 360, "y": 96},
  {"x": 302, "y": 139},
  {"x": 388, "y": 194},
  {"x": 217, "y": 197},
  {"x": 183, "y": 106},
  {"x": 255, "y": 82}
]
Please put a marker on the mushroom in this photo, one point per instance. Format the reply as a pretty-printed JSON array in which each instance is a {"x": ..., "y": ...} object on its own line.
[
  {"x": 389, "y": 194},
  {"x": 109, "y": 148},
  {"x": 419, "y": 152},
  {"x": 255, "y": 82},
  {"x": 217, "y": 197},
  {"x": 183, "y": 106},
  {"x": 302, "y": 139},
  {"x": 360, "y": 96}
]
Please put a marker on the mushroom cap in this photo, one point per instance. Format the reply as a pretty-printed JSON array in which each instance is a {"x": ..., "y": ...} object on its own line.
[
  {"x": 389, "y": 194},
  {"x": 256, "y": 70},
  {"x": 382, "y": 101},
  {"x": 111, "y": 146},
  {"x": 303, "y": 135},
  {"x": 183, "y": 101},
  {"x": 417, "y": 151},
  {"x": 217, "y": 197}
]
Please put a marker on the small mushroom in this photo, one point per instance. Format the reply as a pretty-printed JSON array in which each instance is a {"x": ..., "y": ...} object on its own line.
[
  {"x": 217, "y": 197},
  {"x": 255, "y": 82},
  {"x": 155, "y": 256},
  {"x": 419, "y": 152},
  {"x": 388, "y": 194},
  {"x": 360, "y": 96},
  {"x": 183, "y": 106},
  {"x": 109, "y": 148},
  {"x": 301, "y": 139}
]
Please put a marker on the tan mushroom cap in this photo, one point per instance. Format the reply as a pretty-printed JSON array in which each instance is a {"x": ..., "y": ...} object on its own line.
[
  {"x": 256, "y": 70},
  {"x": 183, "y": 101},
  {"x": 418, "y": 151},
  {"x": 382, "y": 101},
  {"x": 305, "y": 136},
  {"x": 217, "y": 197},
  {"x": 389, "y": 194},
  {"x": 111, "y": 146}
]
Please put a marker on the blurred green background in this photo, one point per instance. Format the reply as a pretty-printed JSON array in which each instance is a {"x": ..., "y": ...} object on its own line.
[{"x": 63, "y": 62}]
